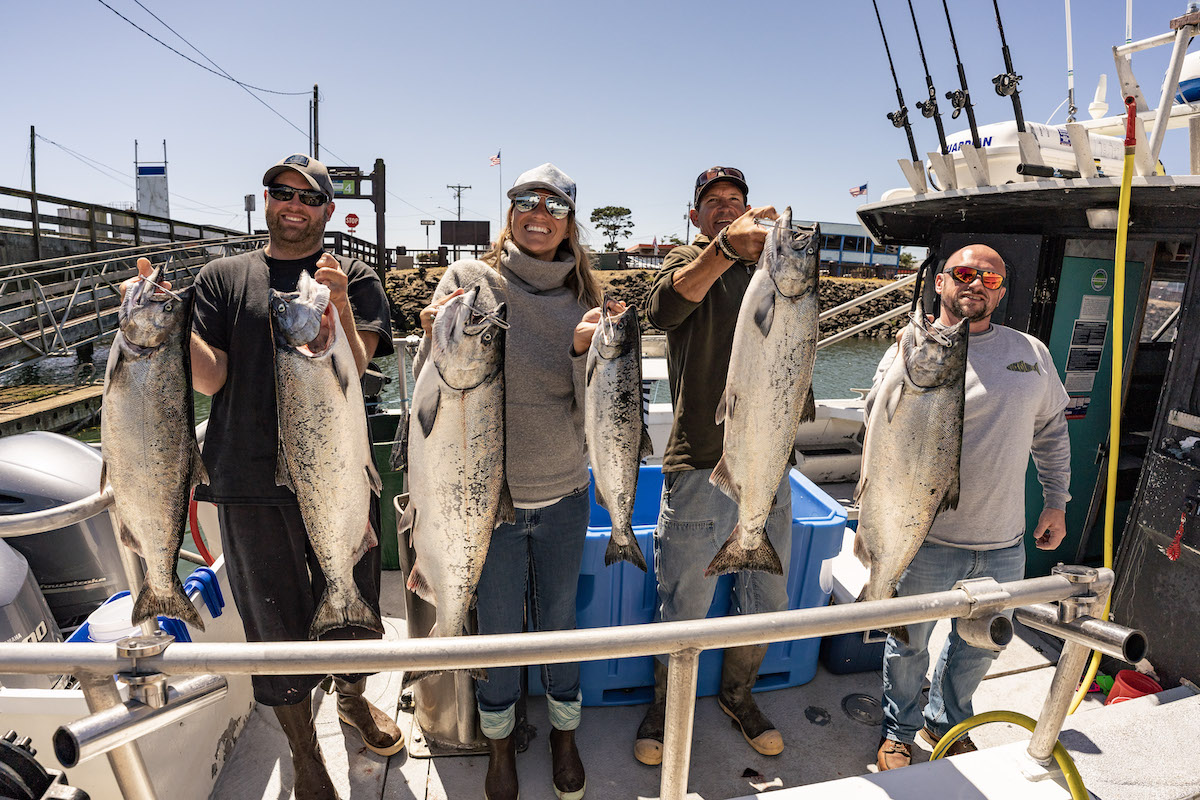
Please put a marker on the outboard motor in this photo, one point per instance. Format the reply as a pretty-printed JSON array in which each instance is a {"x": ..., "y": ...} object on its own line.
[
  {"x": 24, "y": 616},
  {"x": 77, "y": 567}
]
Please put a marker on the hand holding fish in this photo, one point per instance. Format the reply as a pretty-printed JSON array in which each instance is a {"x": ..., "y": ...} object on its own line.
[
  {"x": 746, "y": 236},
  {"x": 430, "y": 311},
  {"x": 586, "y": 328},
  {"x": 144, "y": 271},
  {"x": 1051, "y": 528}
]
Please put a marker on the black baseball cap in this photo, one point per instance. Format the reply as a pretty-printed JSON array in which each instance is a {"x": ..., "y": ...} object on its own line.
[
  {"x": 313, "y": 171},
  {"x": 714, "y": 174}
]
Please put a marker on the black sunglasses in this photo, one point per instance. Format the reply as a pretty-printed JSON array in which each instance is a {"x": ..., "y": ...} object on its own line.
[{"x": 310, "y": 197}]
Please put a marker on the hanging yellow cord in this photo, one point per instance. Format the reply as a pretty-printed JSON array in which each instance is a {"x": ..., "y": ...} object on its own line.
[
  {"x": 1118, "y": 335},
  {"x": 1061, "y": 756}
]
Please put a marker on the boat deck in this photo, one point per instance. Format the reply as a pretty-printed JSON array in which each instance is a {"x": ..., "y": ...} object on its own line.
[{"x": 824, "y": 743}]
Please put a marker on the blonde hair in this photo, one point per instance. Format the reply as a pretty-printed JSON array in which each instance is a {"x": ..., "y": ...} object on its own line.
[{"x": 582, "y": 281}]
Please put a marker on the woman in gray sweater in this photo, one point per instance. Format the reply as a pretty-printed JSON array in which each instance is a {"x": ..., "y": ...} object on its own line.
[{"x": 541, "y": 271}]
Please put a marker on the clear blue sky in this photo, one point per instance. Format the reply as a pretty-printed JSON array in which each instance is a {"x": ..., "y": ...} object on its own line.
[{"x": 632, "y": 99}]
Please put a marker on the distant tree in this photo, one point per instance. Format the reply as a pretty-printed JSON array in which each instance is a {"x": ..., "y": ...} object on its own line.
[
  {"x": 907, "y": 261},
  {"x": 673, "y": 239},
  {"x": 613, "y": 222}
]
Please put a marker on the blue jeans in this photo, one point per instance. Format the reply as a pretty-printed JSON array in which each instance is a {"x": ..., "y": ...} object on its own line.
[
  {"x": 695, "y": 520},
  {"x": 537, "y": 556},
  {"x": 960, "y": 667}
]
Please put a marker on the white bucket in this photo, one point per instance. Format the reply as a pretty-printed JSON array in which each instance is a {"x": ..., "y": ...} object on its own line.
[{"x": 111, "y": 621}]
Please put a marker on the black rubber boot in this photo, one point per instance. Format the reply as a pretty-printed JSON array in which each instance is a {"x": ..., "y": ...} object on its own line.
[
  {"x": 648, "y": 748},
  {"x": 311, "y": 780},
  {"x": 379, "y": 732},
  {"x": 569, "y": 779},
  {"x": 738, "y": 675},
  {"x": 501, "y": 780}
]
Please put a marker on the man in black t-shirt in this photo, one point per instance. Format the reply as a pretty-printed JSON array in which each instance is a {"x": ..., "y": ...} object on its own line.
[{"x": 274, "y": 575}]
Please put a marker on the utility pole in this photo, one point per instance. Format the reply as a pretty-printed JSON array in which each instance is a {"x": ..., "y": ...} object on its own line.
[
  {"x": 687, "y": 225},
  {"x": 458, "y": 190},
  {"x": 316, "y": 133},
  {"x": 37, "y": 234}
]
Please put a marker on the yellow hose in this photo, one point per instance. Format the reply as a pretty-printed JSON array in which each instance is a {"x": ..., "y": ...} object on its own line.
[
  {"x": 1061, "y": 756},
  {"x": 1114, "y": 428}
]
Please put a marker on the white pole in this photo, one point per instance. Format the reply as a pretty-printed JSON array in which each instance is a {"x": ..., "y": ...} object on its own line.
[
  {"x": 1070, "y": 67},
  {"x": 1128, "y": 21}
]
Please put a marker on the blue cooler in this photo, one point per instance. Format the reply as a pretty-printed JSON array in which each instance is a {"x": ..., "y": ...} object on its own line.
[
  {"x": 851, "y": 652},
  {"x": 623, "y": 595}
]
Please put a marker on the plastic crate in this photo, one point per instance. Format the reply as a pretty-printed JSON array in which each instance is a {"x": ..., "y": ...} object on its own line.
[{"x": 624, "y": 595}]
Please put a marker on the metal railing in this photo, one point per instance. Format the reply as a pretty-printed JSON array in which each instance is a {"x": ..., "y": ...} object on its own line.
[{"x": 861, "y": 300}]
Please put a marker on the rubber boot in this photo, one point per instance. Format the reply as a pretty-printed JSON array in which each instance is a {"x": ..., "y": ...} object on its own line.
[
  {"x": 379, "y": 731},
  {"x": 569, "y": 780},
  {"x": 738, "y": 675},
  {"x": 648, "y": 748},
  {"x": 500, "y": 783},
  {"x": 311, "y": 779}
]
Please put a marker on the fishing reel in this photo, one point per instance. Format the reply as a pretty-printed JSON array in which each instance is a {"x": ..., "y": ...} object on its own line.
[
  {"x": 958, "y": 101},
  {"x": 1006, "y": 83},
  {"x": 899, "y": 118},
  {"x": 928, "y": 107},
  {"x": 23, "y": 778}
]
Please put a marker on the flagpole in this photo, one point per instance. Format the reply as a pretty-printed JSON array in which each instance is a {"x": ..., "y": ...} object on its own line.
[{"x": 500, "y": 175}]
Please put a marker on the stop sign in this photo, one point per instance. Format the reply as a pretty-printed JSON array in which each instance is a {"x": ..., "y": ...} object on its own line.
[{"x": 352, "y": 221}]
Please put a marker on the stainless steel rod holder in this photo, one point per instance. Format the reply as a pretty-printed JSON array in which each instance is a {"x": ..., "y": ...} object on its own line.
[{"x": 1117, "y": 641}]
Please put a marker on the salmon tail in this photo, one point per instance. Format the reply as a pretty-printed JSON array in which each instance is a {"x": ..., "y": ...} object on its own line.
[
  {"x": 899, "y": 633},
  {"x": 150, "y": 604},
  {"x": 356, "y": 614},
  {"x": 478, "y": 673},
  {"x": 630, "y": 552},
  {"x": 732, "y": 557},
  {"x": 721, "y": 479}
]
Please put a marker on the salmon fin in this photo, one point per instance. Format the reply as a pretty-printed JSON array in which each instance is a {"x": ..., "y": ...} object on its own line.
[
  {"x": 369, "y": 540},
  {"x": 126, "y": 537},
  {"x": 408, "y": 518},
  {"x": 282, "y": 476},
  {"x": 631, "y": 552},
  {"x": 116, "y": 361},
  {"x": 149, "y": 605},
  {"x": 506, "y": 512},
  {"x": 345, "y": 369},
  {"x": 764, "y": 313},
  {"x": 862, "y": 553},
  {"x": 357, "y": 613},
  {"x": 899, "y": 633},
  {"x": 427, "y": 412},
  {"x": 721, "y": 478},
  {"x": 892, "y": 401},
  {"x": 592, "y": 363},
  {"x": 732, "y": 557},
  {"x": 418, "y": 585},
  {"x": 951, "y": 498},
  {"x": 725, "y": 406},
  {"x": 398, "y": 460},
  {"x": 373, "y": 479},
  {"x": 103, "y": 474},
  {"x": 809, "y": 412},
  {"x": 199, "y": 471},
  {"x": 647, "y": 447},
  {"x": 601, "y": 500},
  {"x": 478, "y": 673},
  {"x": 861, "y": 488}
]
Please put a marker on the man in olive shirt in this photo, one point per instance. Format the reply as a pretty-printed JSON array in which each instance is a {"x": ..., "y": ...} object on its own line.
[{"x": 696, "y": 300}]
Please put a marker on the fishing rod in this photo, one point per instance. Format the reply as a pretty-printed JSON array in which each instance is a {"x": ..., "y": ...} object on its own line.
[
  {"x": 961, "y": 99},
  {"x": 928, "y": 107},
  {"x": 898, "y": 118},
  {"x": 1006, "y": 82}
]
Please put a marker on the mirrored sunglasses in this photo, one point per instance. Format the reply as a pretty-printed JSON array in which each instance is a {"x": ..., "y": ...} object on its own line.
[
  {"x": 557, "y": 207},
  {"x": 310, "y": 197},
  {"x": 991, "y": 280},
  {"x": 719, "y": 172}
]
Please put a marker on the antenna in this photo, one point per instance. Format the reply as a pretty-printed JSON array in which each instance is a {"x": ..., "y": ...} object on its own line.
[
  {"x": 1071, "y": 108},
  {"x": 1006, "y": 82},
  {"x": 1099, "y": 105},
  {"x": 961, "y": 99},
  {"x": 928, "y": 107},
  {"x": 899, "y": 118}
]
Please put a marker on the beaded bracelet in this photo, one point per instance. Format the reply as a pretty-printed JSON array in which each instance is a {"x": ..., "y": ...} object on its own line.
[{"x": 725, "y": 247}]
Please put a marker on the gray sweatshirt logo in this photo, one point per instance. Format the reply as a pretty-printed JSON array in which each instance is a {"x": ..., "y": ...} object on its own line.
[{"x": 1022, "y": 366}]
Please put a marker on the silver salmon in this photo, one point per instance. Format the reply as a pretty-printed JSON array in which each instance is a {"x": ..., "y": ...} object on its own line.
[
  {"x": 457, "y": 487},
  {"x": 324, "y": 452},
  {"x": 911, "y": 452},
  {"x": 768, "y": 391},
  {"x": 150, "y": 455},
  {"x": 617, "y": 438}
]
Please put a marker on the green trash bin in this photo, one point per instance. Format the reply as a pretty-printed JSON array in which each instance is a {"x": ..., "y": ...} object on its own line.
[{"x": 383, "y": 432}]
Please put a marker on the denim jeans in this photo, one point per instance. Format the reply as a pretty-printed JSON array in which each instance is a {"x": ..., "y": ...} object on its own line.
[
  {"x": 695, "y": 520},
  {"x": 960, "y": 667},
  {"x": 536, "y": 557}
]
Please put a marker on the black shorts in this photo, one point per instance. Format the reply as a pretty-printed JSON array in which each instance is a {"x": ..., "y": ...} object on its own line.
[{"x": 277, "y": 582}]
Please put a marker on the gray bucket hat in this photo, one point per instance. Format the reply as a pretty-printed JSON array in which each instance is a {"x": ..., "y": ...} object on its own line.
[
  {"x": 548, "y": 177},
  {"x": 313, "y": 171}
]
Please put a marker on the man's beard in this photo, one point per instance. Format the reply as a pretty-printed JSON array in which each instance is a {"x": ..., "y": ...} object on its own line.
[
  {"x": 311, "y": 234},
  {"x": 956, "y": 309}
]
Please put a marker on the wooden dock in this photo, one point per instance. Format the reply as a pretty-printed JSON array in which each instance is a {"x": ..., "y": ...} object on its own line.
[{"x": 47, "y": 408}]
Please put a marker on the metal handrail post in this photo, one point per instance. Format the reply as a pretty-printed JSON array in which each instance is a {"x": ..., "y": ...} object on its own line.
[
  {"x": 128, "y": 766},
  {"x": 682, "y": 673},
  {"x": 1071, "y": 663}
]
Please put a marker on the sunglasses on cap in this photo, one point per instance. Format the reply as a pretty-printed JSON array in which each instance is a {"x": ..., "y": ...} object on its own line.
[
  {"x": 991, "y": 280},
  {"x": 310, "y": 197},
  {"x": 556, "y": 206},
  {"x": 719, "y": 172}
]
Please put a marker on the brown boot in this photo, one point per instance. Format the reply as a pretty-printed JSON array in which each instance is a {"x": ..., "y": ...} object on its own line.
[
  {"x": 648, "y": 748},
  {"x": 569, "y": 780},
  {"x": 500, "y": 783},
  {"x": 893, "y": 755},
  {"x": 738, "y": 675},
  {"x": 379, "y": 731},
  {"x": 310, "y": 778}
]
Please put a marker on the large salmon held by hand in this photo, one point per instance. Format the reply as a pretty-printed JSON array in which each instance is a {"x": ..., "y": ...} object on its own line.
[
  {"x": 911, "y": 452},
  {"x": 768, "y": 391},
  {"x": 324, "y": 452},
  {"x": 149, "y": 445}
]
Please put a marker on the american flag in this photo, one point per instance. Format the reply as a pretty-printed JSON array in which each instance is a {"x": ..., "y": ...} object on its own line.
[
  {"x": 857, "y": 190},
  {"x": 495, "y": 160}
]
